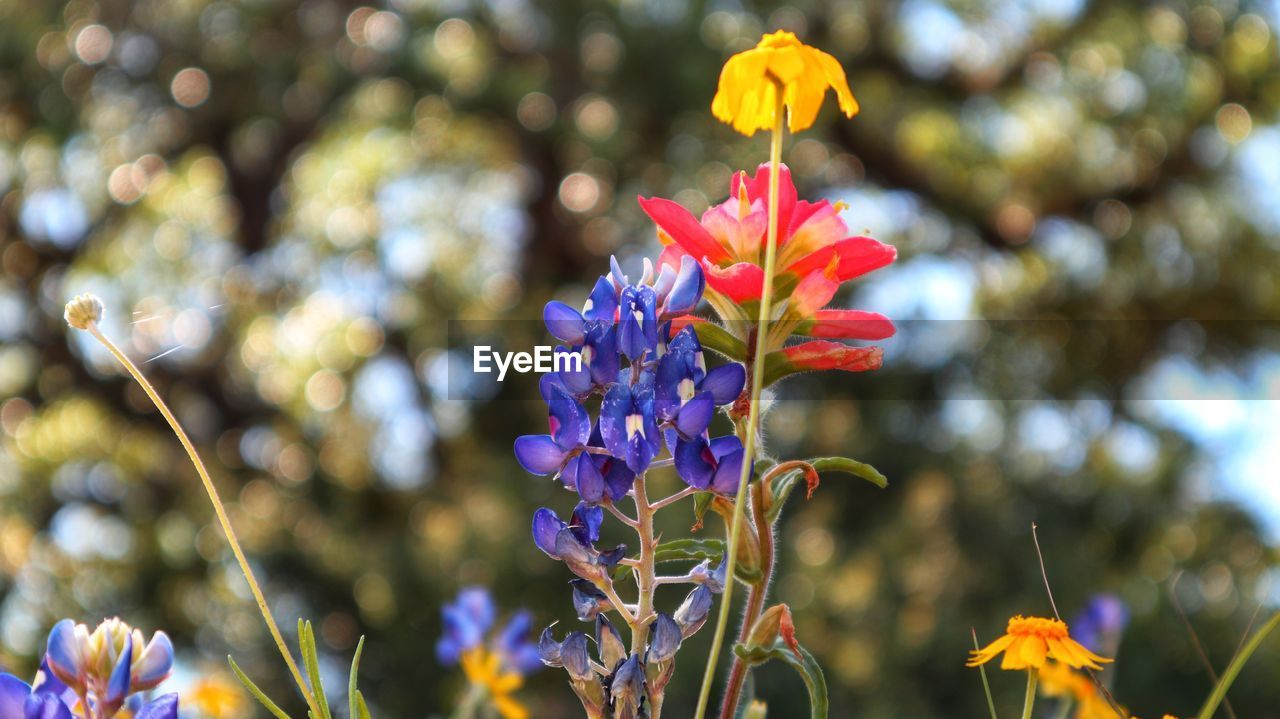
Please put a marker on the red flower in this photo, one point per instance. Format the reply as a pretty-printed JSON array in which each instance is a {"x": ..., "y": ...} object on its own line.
[{"x": 815, "y": 257}]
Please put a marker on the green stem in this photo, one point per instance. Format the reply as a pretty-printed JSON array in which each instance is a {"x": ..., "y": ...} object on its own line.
[
  {"x": 755, "y": 602},
  {"x": 1233, "y": 669},
  {"x": 753, "y": 415},
  {"x": 218, "y": 509},
  {"x": 1030, "y": 700},
  {"x": 471, "y": 702}
]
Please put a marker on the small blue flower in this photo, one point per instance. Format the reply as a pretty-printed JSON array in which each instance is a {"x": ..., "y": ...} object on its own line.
[
  {"x": 1099, "y": 626},
  {"x": 107, "y": 666},
  {"x": 714, "y": 465},
  {"x": 468, "y": 624},
  {"x": 638, "y": 322},
  {"x": 685, "y": 392},
  {"x": 626, "y": 688},
  {"x": 694, "y": 610},
  {"x": 628, "y": 425},
  {"x": 680, "y": 291}
]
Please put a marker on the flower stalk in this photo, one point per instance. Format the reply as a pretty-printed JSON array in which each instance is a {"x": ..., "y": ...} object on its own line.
[
  {"x": 753, "y": 414},
  {"x": 90, "y": 324},
  {"x": 1030, "y": 700}
]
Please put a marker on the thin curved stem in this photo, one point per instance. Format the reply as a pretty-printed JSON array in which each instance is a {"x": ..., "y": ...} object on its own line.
[
  {"x": 1233, "y": 669},
  {"x": 218, "y": 509},
  {"x": 753, "y": 414},
  {"x": 668, "y": 501}
]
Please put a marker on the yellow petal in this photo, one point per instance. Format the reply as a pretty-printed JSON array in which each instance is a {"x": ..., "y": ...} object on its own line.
[
  {"x": 835, "y": 77},
  {"x": 1034, "y": 651}
]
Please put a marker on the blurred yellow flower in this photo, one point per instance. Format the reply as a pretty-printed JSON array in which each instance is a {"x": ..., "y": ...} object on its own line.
[
  {"x": 747, "y": 96},
  {"x": 1029, "y": 641},
  {"x": 484, "y": 669},
  {"x": 216, "y": 696}
]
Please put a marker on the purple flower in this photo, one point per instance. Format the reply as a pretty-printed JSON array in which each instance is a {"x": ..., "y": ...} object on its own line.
[
  {"x": 638, "y": 322},
  {"x": 664, "y": 639},
  {"x": 590, "y": 333},
  {"x": 108, "y": 666},
  {"x": 468, "y": 621},
  {"x": 680, "y": 293},
  {"x": 685, "y": 392},
  {"x": 714, "y": 465},
  {"x": 628, "y": 425},
  {"x": 1099, "y": 626}
]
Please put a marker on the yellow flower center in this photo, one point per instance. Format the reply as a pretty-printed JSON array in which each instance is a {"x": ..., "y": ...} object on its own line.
[
  {"x": 1021, "y": 626},
  {"x": 781, "y": 38}
]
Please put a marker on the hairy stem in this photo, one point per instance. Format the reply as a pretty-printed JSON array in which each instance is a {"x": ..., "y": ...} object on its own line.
[
  {"x": 646, "y": 572},
  {"x": 755, "y": 604},
  {"x": 218, "y": 509},
  {"x": 753, "y": 415}
]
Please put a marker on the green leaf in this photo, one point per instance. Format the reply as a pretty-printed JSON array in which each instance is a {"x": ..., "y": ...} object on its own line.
[
  {"x": 307, "y": 638},
  {"x": 716, "y": 338},
  {"x": 353, "y": 703},
  {"x": 256, "y": 692},
  {"x": 696, "y": 550},
  {"x": 782, "y": 488},
  {"x": 849, "y": 466},
  {"x": 805, "y": 665},
  {"x": 364, "y": 708}
]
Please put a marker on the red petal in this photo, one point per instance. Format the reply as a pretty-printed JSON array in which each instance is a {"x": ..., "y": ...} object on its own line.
[
  {"x": 858, "y": 256},
  {"x": 676, "y": 221},
  {"x": 758, "y": 189},
  {"x": 679, "y": 323},
  {"x": 671, "y": 255},
  {"x": 822, "y": 354},
  {"x": 739, "y": 281},
  {"x": 813, "y": 292},
  {"x": 850, "y": 324}
]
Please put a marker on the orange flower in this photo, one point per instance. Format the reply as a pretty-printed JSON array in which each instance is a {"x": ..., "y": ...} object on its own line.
[
  {"x": 1029, "y": 641},
  {"x": 484, "y": 668},
  {"x": 747, "y": 96}
]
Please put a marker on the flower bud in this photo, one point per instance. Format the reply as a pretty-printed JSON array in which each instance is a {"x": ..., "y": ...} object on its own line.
[
  {"x": 609, "y": 643},
  {"x": 774, "y": 623},
  {"x": 577, "y": 557},
  {"x": 755, "y": 710},
  {"x": 693, "y": 611},
  {"x": 549, "y": 650},
  {"x": 82, "y": 311},
  {"x": 574, "y": 656},
  {"x": 627, "y": 689},
  {"x": 588, "y": 601},
  {"x": 664, "y": 639}
]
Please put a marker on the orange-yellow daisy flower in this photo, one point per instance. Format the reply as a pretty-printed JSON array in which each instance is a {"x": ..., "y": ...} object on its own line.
[
  {"x": 747, "y": 95},
  {"x": 484, "y": 668},
  {"x": 1029, "y": 641}
]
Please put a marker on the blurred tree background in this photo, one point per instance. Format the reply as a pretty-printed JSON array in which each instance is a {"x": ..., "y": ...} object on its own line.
[{"x": 282, "y": 203}]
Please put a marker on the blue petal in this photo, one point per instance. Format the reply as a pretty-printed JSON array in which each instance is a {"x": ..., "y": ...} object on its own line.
[
  {"x": 563, "y": 322},
  {"x": 586, "y": 478},
  {"x": 42, "y": 705},
  {"x": 729, "y": 465},
  {"x": 575, "y": 556},
  {"x": 618, "y": 477},
  {"x": 545, "y": 527},
  {"x": 687, "y": 291},
  {"x": 695, "y": 416},
  {"x": 694, "y": 462},
  {"x": 724, "y": 382},
  {"x": 665, "y": 281},
  {"x": 685, "y": 341},
  {"x": 166, "y": 707},
  {"x": 569, "y": 421},
  {"x": 585, "y": 523},
  {"x": 118, "y": 684},
  {"x": 539, "y": 453},
  {"x": 154, "y": 664},
  {"x": 588, "y": 601},
  {"x": 600, "y": 353},
  {"x": 613, "y": 419},
  {"x": 478, "y": 604},
  {"x": 63, "y": 653},
  {"x": 602, "y": 305},
  {"x": 13, "y": 695},
  {"x": 615, "y": 272},
  {"x": 448, "y": 651}
]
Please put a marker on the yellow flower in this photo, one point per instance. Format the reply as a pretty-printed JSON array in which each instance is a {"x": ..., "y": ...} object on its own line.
[
  {"x": 484, "y": 668},
  {"x": 747, "y": 96},
  {"x": 1057, "y": 680},
  {"x": 216, "y": 697},
  {"x": 1029, "y": 641}
]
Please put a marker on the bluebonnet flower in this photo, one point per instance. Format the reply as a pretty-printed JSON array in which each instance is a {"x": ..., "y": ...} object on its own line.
[
  {"x": 574, "y": 542},
  {"x": 94, "y": 675},
  {"x": 628, "y": 424},
  {"x": 1099, "y": 625},
  {"x": 469, "y": 622},
  {"x": 627, "y": 689},
  {"x": 685, "y": 392},
  {"x": 710, "y": 464},
  {"x": 591, "y": 333}
]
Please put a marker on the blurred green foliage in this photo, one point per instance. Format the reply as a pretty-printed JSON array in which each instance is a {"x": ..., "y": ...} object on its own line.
[{"x": 282, "y": 204}]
